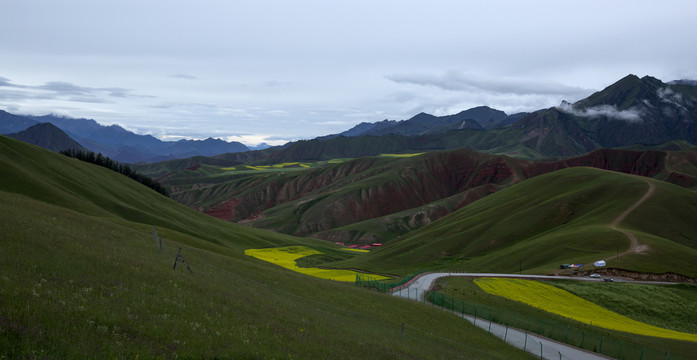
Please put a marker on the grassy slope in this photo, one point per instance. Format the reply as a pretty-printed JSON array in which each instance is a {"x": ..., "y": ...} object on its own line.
[
  {"x": 561, "y": 217},
  {"x": 82, "y": 277},
  {"x": 388, "y": 227},
  {"x": 304, "y": 202}
]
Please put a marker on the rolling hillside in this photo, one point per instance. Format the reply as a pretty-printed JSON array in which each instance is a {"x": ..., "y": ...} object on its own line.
[
  {"x": 375, "y": 199},
  {"x": 561, "y": 217},
  {"x": 82, "y": 277}
]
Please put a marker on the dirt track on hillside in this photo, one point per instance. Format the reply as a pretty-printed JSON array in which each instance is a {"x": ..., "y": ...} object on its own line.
[{"x": 635, "y": 246}]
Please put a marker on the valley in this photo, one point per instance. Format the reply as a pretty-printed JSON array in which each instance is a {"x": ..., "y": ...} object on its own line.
[{"x": 291, "y": 249}]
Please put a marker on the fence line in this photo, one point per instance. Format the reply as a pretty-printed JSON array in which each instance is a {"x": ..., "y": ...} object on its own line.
[
  {"x": 365, "y": 280},
  {"x": 574, "y": 336},
  {"x": 578, "y": 336}
]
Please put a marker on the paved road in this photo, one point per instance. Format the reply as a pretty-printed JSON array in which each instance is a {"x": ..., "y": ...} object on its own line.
[{"x": 532, "y": 343}]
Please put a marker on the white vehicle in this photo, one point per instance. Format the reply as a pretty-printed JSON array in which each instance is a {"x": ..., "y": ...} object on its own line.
[{"x": 595, "y": 275}]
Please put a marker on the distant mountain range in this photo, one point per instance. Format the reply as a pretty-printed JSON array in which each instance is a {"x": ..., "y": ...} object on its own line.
[
  {"x": 643, "y": 111},
  {"x": 112, "y": 141},
  {"x": 478, "y": 118}
]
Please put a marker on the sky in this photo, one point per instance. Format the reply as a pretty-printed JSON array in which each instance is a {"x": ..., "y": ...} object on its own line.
[{"x": 278, "y": 71}]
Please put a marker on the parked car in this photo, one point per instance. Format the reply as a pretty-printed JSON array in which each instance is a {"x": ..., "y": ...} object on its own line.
[
  {"x": 609, "y": 280},
  {"x": 595, "y": 275}
]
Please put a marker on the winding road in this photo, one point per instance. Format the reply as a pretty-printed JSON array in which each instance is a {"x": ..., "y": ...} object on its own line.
[{"x": 537, "y": 345}]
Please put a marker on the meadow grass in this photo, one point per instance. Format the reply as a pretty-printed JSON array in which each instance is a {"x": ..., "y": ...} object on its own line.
[
  {"x": 668, "y": 306},
  {"x": 76, "y": 286},
  {"x": 82, "y": 277}
]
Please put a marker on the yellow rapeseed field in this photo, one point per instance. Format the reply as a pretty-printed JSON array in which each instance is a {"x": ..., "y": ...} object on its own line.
[
  {"x": 286, "y": 256},
  {"x": 267, "y": 167},
  {"x": 401, "y": 155},
  {"x": 356, "y": 250},
  {"x": 564, "y": 303}
]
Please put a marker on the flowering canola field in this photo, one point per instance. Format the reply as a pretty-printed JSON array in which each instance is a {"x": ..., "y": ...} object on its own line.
[
  {"x": 286, "y": 256},
  {"x": 564, "y": 303}
]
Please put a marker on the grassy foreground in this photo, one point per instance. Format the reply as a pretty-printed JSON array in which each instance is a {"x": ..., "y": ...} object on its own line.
[{"x": 82, "y": 277}]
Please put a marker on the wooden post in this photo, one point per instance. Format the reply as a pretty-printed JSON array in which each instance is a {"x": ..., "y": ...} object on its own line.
[
  {"x": 185, "y": 264},
  {"x": 176, "y": 259},
  {"x": 402, "y": 331},
  {"x": 179, "y": 256},
  {"x": 157, "y": 238}
]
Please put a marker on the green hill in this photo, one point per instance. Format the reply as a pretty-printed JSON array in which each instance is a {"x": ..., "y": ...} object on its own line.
[
  {"x": 376, "y": 199},
  {"x": 561, "y": 217},
  {"x": 82, "y": 277}
]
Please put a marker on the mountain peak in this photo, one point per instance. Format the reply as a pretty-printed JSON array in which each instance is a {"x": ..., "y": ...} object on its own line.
[
  {"x": 626, "y": 93},
  {"x": 48, "y": 136}
]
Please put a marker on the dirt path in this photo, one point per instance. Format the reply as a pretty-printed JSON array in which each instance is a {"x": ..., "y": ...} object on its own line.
[{"x": 635, "y": 246}]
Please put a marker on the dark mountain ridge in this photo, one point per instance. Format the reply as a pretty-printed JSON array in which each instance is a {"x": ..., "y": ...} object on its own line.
[
  {"x": 632, "y": 111},
  {"x": 48, "y": 136},
  {"x": 478, "y": 118}
]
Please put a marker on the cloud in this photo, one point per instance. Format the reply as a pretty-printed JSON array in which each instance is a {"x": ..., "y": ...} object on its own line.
[
  {"x": 631, "y": 115},
  {"x": 462, "y": 81},
  {"x": 257, "y": 139},
  {"x": 61, "y": 89},
  {"x": 183, "y": 76},
  {"x": 278, "y": 113},
  {"x": 5, "y": 82},
  {"x": 668, "y": 95},
  {"x": 276, "y": 83}
]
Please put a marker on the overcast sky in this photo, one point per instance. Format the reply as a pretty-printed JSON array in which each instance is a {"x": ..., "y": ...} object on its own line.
[{"x": 276, "y": 71}]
